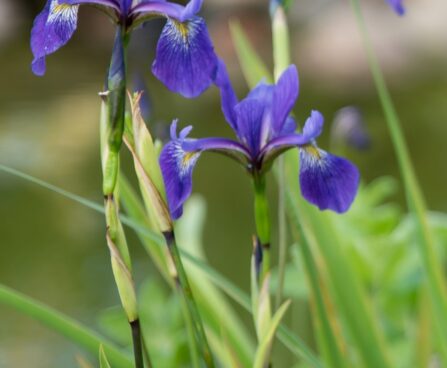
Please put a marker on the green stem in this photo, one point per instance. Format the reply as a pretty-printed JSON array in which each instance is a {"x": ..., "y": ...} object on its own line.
[
  {"x": 413, "y": 192},
  {"x": 185, "y": 290},
  {"x": 262, "y": 221},
  {"x": 112, "y": 129},
  {"x": 193, "y": 347},
  {"x": 64, "y": 325}
]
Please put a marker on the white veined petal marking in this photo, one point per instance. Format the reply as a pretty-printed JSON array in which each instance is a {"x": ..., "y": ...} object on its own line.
[
  {"x": 63, "y": 15},
  {"x": 182, "y": 33},
  {"x": 184, "y": 160},
  {"x": 313, "y": 155}
]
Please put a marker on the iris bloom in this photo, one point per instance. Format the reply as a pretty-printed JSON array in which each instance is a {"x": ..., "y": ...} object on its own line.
[
  {"x": 264, "y": 130},
  {"x": 397, "y": 6},
  {"x": 185, "y": 60}
]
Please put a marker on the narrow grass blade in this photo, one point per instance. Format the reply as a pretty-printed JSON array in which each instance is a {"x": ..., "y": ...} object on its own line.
[
  {"x": 71, "y": 329},
  {"x": 103, "y": 361},
  {"x": 263, "y": 352},
  {"x": 252, "y": 65},
  {"x": 331, "y": 346}
]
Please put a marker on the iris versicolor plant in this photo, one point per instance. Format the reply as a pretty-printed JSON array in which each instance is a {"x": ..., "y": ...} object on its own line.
[{"x": 264, "y": 130}]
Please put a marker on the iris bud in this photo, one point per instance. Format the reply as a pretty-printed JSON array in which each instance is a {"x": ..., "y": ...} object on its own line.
[{"x": 116, "y": 86}]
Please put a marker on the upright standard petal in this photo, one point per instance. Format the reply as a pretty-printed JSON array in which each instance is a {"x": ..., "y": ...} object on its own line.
[
  {"x": 397, "y": 6},
  {"x": 185, "y": 61},
  {"x": 313, "y": 125},
  {"x": 250, "y": 114},
  {"x": 284, "y": 97},
  {"x": 327, "y": 181},
  {"x": 262, "y": 94},
  {"x": 52, "y": 29}
]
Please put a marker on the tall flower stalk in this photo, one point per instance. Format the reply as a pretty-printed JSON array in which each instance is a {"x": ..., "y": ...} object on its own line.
[
  {"x": 112, "y": 128},
  {"x": 264, "y": 130},
  {"x": 141, "y": 146},
  {"x": 186, "y": 63}
]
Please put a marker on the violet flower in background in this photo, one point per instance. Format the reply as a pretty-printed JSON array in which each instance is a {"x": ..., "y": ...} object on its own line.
[
  {"x": 185, "y": 59},
  {"x": 349, "y": 128},
  {"x": 264, "y": 130},
  {"x": 397, "y": 6}
]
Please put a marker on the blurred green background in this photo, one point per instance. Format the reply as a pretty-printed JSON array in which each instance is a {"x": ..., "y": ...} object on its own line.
[{"x": 54, "y": 250}]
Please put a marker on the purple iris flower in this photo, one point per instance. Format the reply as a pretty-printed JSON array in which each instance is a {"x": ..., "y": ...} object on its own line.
[
  {"x": 264, "y": 130},
  {"x": 397, "y": 6},
  {"x": 185, "y": 59}
]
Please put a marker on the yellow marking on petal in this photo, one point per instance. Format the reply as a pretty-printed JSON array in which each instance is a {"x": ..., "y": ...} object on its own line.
[
  {"x": 59, "y": 8},
  {"x": 63, "y": 12},
  {"x": 188, "y": 157},
  {"x": 183, "y": 29},
  {"x": 313, "y": 151}
]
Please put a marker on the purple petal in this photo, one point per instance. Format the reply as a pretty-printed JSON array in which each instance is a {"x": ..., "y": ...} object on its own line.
[
  {"x": 215, "y": 144},
  {"x": 289, "y": 126},
  {"x": 177, "y": 166},
  {"x": 108, "y": 3},
  {"x": 284, "y": 97},
  {"x": 170, "y": 10},
  {"x": 314, "y": 125},
  {"x": 281, "y": 144},
  {"x": 263, "y": 94},
  {"x": 178, "y": 159},
  {"x": 125, "y": 6},
  {"x": 397, "y": 6},
  {"x": 327, "y": 181},
  {"x": 287, "y": 138},
  {"x": 185, "y": 62},
  {"x": 250, "y": 116},
  {"x": 52, "y": 29},
  {"x": 228, "y": 96}
]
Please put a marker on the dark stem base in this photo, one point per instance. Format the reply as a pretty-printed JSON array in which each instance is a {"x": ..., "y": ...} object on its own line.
[{"x": 137, "y": 344}]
